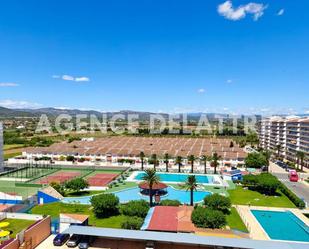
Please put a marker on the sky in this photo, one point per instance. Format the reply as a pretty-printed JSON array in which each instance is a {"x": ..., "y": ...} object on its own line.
[{"x": 236, "y": 56}]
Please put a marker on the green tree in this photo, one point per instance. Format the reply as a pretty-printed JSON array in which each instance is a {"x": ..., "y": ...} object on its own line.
[
  {"x": 278, "y": 148},
  {"x": 138, "y": 208},
  {"x": 218, "y": 202},
  {"x": 191, "y": 159},
  {"x": 77, "y": 184},
  {"x": 255, "y": 160},
  {"x": 166, "y": 161},
  {"x": 190, "y": 185},
  {"x": 215, "y": 161},
  {"x": 58, "y": 187},
  {"x": 178, "y": 161},
  {"x": 208, "y": 218},
  {"x": 267, "y": 155},
  {"x": 105, "y": 205},
  {"x": 142, "y": 157},
  {"x": 151, "y": 178},
  {"x": 252, "y": 138}
]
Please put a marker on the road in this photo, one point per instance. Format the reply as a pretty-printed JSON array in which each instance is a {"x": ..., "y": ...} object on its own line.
[{"x": 300, "y": 189}]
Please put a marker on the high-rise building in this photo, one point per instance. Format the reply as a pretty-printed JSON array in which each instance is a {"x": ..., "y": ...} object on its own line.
[
  {"x": 1, "y": 147},
  {"x": 286, "y": 136}
]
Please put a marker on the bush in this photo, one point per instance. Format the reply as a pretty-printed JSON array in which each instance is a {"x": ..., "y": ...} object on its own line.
[
  {"x": 135, "y": 208},
  {"x": 218, "y": 202},
  {"x": 132, "y": 223},
  {"x": 208, "y": 218},
  {"x": 70, "y": 158},
  {"x": 105, "y": 205},
  {"x": 264, "y": 183},
  {"x": 167, "y": 202}
]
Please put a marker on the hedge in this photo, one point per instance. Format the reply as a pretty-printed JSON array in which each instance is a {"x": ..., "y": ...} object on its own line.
[{"x": 293, "y": 198}]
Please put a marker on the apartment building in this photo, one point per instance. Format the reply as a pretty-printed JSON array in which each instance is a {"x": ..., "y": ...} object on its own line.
[{"x": 285, "y": 135}]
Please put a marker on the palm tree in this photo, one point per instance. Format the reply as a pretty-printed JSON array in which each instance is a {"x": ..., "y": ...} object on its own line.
[
  {"x": 278, "y": 148},
  {"x": 142, "y": 157},
  {"x": 300, "y": 157},
  {"x": 154, "y": 159},
  {"x": 166, "y": 160},
  {"x": 191, "y": 184},
  {"x": 178, "y": 161},
  {"x": 151, "y": 178},
  {"x": 204, "y": 159},
  {"x": 215, "y": 158},
  {"x": 191, "y": 159}
]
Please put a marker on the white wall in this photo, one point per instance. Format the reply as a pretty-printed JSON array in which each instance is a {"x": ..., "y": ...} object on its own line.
[{"x": 21, "y": 216}]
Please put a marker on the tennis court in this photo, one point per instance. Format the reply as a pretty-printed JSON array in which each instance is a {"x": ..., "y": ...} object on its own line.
[
  {"x": 60, "y": 177},
  {"x": 101, "y": 179}
]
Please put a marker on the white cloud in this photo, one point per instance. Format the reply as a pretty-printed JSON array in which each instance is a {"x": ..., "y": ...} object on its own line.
[
  {"x": 71, "y": 78},
  {"x": 201, "y": 90},
  {"x": 307, "y": 112},
  {"x": 8, "y": 84},
  {"x": 8, "y": 103},
  {"x": 280, "y": 12},
  {"x": 229, "y": 81},
  {"x": 82, "y": 79},
  {"x": 67, "y": 77},
  {"x": 227, "y": 10}
]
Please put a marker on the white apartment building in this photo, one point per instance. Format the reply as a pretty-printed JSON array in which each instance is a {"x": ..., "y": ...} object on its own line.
[{"x": 288, "y": 135}]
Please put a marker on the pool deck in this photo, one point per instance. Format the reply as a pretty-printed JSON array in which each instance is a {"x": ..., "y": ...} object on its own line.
[{"x": 256, "y": 231}]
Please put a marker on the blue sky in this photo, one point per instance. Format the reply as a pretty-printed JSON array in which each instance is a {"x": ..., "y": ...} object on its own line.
[{"x": 156, "y": 55}]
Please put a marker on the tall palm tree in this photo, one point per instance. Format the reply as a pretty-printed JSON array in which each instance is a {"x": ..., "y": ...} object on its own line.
[
  {"x": 204, "y": 159},
  {"x": 278, "y": 148},
  {"x": 151, "y": 178},
  {"x": 154, "y": 159},
  {"x": 142, "y": 157},
  {"x": 191, "y": 159},
  {"x": 215, "y": 161},
  {"x": 300, "y": 159},
  {"x": 166, "y": 160},
  {"x": 178, "y": 161},
  {"x": 191, "y": 184}
]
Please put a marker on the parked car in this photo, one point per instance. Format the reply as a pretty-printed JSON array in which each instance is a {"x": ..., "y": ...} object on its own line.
[
  {"x": 60, "y": 239},
  {"x": 85, "y": 242},
  {"x": 74, "y": 240},
  {"x": 293, "y": 176}
]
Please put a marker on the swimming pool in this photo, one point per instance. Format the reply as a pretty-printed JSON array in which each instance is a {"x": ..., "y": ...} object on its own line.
[
  {"x": 282, "y": 225},
  {"x": 178, "y": 177},
  {"x": 133, "y": 194}
]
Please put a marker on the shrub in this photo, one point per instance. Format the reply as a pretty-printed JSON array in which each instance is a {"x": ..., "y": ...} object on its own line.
[
  {"x": 105, "y": 205},
  {"x": 167, "y": 202},
  {"x": 70, "y": 158},
  {"x": 208, "y": 218},
  {"x": 135, "y": 208},
  {"x": 132, "y": 223},
  {"x": 218, "y": 202},
  {"x": 264, "y": 183}
]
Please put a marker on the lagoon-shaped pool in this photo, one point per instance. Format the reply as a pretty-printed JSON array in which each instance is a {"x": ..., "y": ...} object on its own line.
[{"x": 134, "y": 194}]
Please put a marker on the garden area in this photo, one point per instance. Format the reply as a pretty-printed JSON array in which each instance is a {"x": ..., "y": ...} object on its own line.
[
  {"x": 264, "y": 190},
  {"x": 17, "y": 225}
]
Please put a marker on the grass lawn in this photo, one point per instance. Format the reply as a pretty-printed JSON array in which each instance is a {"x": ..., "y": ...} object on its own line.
[
  {"x": 12, "y": 146},
  {"x": 122, "y": 186},
  {"x": 240, "y": 196},
  {"x": 17, "y": 225},
  {"x": 54, "y": 209},
  {"x": 235, "y": 222}
]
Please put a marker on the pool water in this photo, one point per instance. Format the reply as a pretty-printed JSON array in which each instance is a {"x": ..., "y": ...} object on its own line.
[
  {"x": 176, "y": 178},
  {"x": 282, "y": 225},
  {"x": 134, "y": 194}
]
